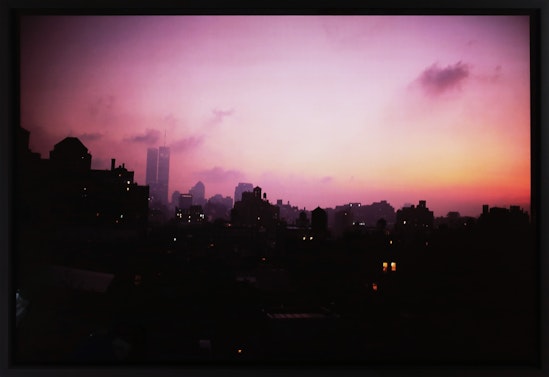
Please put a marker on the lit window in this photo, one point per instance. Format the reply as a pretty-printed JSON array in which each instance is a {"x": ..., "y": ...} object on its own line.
[
  {"x": 390, "y": 242},
  {"x": 385, "y": 265},
  {"x": 127, "y": 189},
  {"x": 393, "y": 266},
  {"x": 304, "y": 238},
  {"x": 374, "y": 287},
  {"x": 121, "y": 216},
  {"x": 311, "y": 238},
  {"x": 404, "y": 222},
  {"x": 239, "y": 351},
  {"x": 128, "y": 182},
  {"x": 258, "y": 218},
  {"x": 174, "y": 239}
]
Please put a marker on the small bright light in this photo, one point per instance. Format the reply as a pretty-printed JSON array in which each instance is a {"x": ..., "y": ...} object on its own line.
[
  {"x": 121, "y": 216},
  {"x": 404, "y": 222},
  {"x": 393, "y": 266},
  {"x": 374, "y": 286},
  {"x": 311, "y": 238},
  {"x": 128, "y": 182},
  {"x": 385, "y": 265},
  {"x": 239, "y": 350},
  {"x": 127, "y": 189},
  {"x": 258, "y": 218},
  {"x": 174, "y": 239},
  {"x": 263, "y": 259},
  {"x": 390, "y": 242},
  {"x": 85, "y": 188},
  {"x": 304, "y": 238}
]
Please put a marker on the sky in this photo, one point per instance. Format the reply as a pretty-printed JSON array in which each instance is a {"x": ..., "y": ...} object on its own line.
[{"x": 316, "y": 110}]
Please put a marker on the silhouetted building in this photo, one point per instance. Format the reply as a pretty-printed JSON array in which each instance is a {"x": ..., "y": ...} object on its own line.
[
  {"x": 453, "y": 221},
  {"x": 163, "y": 173},
  {"x": 414, "y": 219},
  {"x": 185, "y": 201},
  {"x": 255, "y": 211},
  {"x": 241, "y": 188},
  {"x": 198, "y": 192},
  {"x": 319, "y": 223},
  {"x": 503, "y": 218},
  {"x": 157, "y": 175},
  {"x": 76, "y": 196},
  {"x": 70, "y": 155},
  {"x": 302, "y": 221},
  {"x": 175, "y": 198},
  {"x": 343, "y": 220},
  {"x": 218, "y": 207},
  {"x": 288, "y": 213},
  {"x": 151, "y": 174},
  {"x": 192, "y": 215}
]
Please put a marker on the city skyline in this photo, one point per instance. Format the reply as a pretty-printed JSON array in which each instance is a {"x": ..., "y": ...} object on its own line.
[{"x": 318, "y": 111}]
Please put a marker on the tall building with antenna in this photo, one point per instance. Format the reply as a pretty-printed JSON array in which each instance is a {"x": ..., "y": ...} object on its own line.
[
  {"x": 158, "y": 173},
  {"x": 163, "y": 173}
]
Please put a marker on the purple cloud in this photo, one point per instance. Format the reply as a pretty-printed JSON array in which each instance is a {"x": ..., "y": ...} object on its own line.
[
  {"x": 149, "y": 137},
  {"x": 186, "y": 143},
  {"x": 218, "y": 116},
  {"x": 90, "y": 136},
  {"x": 218, "y": 174},
  {"x": 435, "y": 80}
]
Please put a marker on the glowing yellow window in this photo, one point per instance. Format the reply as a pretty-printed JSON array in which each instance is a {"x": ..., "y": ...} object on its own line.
[
  {"x": 393, "y": 266},
  {"x": 385, "y": 265}
]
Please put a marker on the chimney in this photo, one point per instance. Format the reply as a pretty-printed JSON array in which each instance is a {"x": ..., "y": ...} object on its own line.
[{"x": 112, "y": 163}]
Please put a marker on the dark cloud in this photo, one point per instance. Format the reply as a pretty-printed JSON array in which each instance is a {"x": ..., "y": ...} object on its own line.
[
  {"x": 186, "y": 143},
  {"x": 101, "y": 109},
  {"x": 218, "y": 174},
  {"x": 149, "y": 137},
  {"x": 218, "y": 116},
  {"x": 90, "y": 136},
  {"x": 435, "y": 80}
]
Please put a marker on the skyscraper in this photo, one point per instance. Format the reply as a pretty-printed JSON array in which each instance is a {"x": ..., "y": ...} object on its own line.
[
  {"x": 152, "y": 167},
  {"x": 163, "y": 173},
  {"x": 198, "y": 192},
  {"x": 242, "y": 187},
  {"x": 157, "y": 173}
]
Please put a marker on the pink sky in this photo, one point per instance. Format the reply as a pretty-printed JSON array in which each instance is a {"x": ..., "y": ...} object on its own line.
[{"x": 315, "y": 110}]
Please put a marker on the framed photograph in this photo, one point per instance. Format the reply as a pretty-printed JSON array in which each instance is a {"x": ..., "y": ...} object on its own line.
[{"x": 248, "y": 187}]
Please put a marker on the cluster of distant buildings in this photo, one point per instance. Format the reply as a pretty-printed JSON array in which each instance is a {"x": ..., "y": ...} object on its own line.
[{"x": 64, "y": 189}]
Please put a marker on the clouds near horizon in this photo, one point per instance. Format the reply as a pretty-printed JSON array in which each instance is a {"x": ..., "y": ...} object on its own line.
[{"x": 436, "y": 80}]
